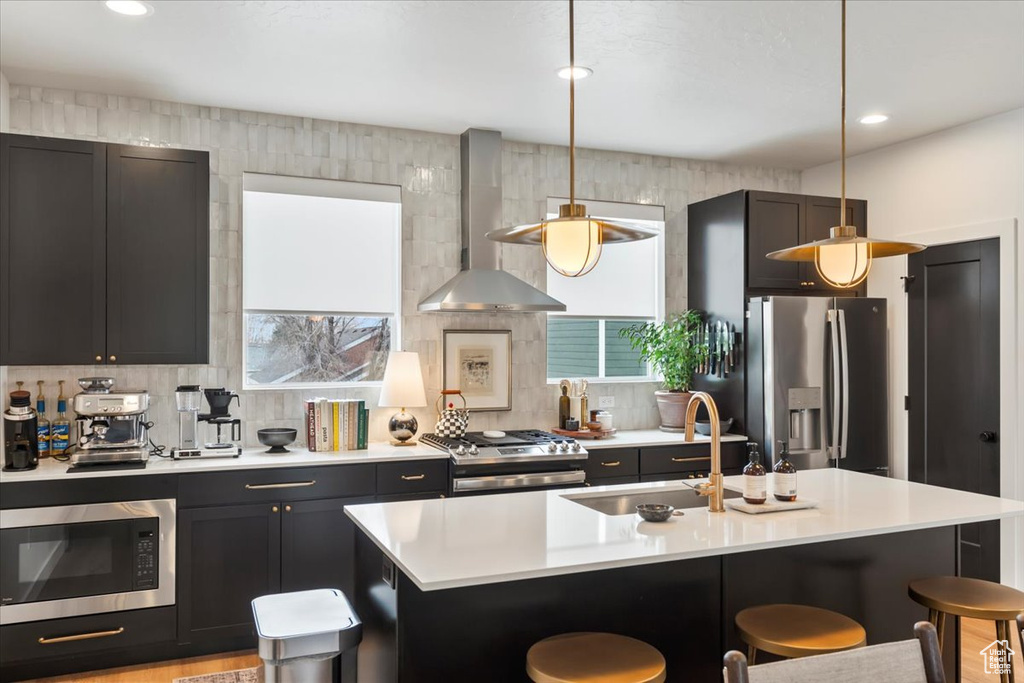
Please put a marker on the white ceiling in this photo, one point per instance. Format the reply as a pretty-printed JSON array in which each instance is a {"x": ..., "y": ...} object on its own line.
[{"x": 746, "y": 81}]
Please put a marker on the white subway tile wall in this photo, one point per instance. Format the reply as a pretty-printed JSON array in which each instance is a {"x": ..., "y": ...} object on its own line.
[{"x": 426, "y": 166}]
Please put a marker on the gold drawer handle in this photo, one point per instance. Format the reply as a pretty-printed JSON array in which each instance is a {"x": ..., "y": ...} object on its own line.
[
  {"x": 612, "y": 463},
  {"x": 283, "y": 485},
  {"x": 81, "y": 636},
  {"x": 413, "y": 477},
  {"x": 691, "y": 459}
]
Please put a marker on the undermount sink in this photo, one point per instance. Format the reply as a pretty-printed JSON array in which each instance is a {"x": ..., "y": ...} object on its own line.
[{"x": 625, "y": 503}]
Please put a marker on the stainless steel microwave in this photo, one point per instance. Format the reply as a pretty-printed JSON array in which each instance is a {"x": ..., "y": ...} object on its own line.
[{"x": 86, "y": 559}]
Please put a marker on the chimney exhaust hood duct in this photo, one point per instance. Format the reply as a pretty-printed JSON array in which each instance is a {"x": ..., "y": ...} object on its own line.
[{"x": 482, "y": 286}]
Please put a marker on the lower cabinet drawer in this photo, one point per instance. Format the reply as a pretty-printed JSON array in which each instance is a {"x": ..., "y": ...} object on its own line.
[
  {"x": 612, "y": 462},
  {"x": 85, "y": 635},
  {"x": 673, "y": 459},
  {"x": 411, "y": 476},
  {"x": 274, "y": 485}
]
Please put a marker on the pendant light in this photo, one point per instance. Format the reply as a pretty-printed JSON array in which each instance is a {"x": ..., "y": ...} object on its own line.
[
  {"x": 572, "y": 242},
  {"x": 844, "y": 259}
]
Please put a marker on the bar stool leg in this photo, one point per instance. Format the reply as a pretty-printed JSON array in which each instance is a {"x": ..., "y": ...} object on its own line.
[
  {"x": 1003, "y": 633},
  {"x": 938, "y": 620},
  {"x": 751, "y": 654}
]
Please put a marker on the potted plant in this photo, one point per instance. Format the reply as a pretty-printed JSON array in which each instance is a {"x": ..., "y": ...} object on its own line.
[{"x": 674, "y": 351}]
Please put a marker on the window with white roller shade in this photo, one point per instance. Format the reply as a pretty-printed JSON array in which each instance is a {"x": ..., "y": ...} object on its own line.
[
  {"x": 626, "y": 286},
  {"x": 321, "y": 287}
]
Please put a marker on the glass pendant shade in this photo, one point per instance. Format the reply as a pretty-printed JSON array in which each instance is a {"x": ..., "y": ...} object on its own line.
[
  {"x": 572, "y": 243},
  {"x": 843, "y": 265}
]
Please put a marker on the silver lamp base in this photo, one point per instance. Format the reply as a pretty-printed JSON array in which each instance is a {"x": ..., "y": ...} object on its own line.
[{"x": 402, "y": 426}]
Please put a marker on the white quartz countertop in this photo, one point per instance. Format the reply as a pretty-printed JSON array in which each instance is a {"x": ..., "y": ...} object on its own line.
[
  {"x": 256, "y": 458},
  {"x": 456, "y": 542},
  {"x": 251, "y": 458}
]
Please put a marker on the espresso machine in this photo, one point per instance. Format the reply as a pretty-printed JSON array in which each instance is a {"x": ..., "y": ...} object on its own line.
[
  {"x": 110, "y": 426},
  {"x": 188, "y": 398}
]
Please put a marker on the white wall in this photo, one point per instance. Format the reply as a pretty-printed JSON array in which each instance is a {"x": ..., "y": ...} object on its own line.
[
  {"x": 958, "y": 184},
  {"x": 5, "y": 103}
]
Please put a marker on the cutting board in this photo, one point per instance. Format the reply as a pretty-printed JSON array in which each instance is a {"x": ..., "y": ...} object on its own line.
[
  {"x": 584, "y": 434},
  {"x": 770, "y": 505}
]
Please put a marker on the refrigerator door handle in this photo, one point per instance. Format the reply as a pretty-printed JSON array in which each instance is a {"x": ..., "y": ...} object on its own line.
[
  {"x": 846, "y": 383},
  {"x": 833, "y": 449}
]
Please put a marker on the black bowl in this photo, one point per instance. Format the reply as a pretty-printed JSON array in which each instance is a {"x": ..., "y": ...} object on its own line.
[
  {"x": 652, "y": 512},
  {"x": 277, "y": 438}
]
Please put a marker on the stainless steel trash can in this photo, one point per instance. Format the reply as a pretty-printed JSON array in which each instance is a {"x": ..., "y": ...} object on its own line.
[{"x": 301, "y": 633}]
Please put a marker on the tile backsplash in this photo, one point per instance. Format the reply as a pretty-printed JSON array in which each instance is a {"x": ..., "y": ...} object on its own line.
[{"x": 426, "y": 166}]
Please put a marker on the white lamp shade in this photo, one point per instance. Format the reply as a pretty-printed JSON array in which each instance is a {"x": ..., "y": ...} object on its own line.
[{"x": 403, "y": 381}]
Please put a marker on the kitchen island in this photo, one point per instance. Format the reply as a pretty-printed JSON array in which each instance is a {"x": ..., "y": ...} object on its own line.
[{"x": 458, "y": 589}]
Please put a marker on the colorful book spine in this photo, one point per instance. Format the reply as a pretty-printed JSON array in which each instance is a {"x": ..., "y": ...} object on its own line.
[
  {"x": 311, "y": 425},
  {"x": 364, "y": 416},
  {"x": 335, "y": 418},
  {"x": 325, "y": 425}
]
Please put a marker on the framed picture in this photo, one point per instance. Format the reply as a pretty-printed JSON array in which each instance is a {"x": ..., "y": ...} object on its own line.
[{"x": 479, "y": 363}]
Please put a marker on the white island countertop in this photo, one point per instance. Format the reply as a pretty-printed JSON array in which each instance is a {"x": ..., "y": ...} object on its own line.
[{"x": 456, "y": 542}]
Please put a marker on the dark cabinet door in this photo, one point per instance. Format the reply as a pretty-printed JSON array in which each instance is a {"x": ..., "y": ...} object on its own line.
[
  {"x": 822, "y": 214},
  {"x": 52, "y": 251},
  {"x": 318, "y": 543},
  {"x": 227, "y": 556},
  {"x": 774, "y": 221},
  {"x": 157, "y": 255}
]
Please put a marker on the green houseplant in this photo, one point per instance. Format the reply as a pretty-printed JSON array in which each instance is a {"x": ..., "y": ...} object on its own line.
[{"x": 674, "y": 351}]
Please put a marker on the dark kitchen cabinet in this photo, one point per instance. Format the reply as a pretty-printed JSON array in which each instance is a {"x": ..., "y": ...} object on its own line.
[
  {"x": 607, "y": 466},
  {"x": 777, "y": 221},
  {"x": 158, "y": 260},
  {"x": 104, "y": 253},
  {"x": 317, "y": 539},
  {"x": 52, "y": 251}
]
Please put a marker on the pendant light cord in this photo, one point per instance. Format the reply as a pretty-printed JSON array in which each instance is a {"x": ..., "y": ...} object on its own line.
[
  {"x": 572, "y": 110},
  {"x": 842, "y": 152}
]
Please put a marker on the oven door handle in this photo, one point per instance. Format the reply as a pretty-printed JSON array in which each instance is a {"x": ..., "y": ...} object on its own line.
[
  {"x": 519, "y": 480},
  {"x": 81, "y": 636}
]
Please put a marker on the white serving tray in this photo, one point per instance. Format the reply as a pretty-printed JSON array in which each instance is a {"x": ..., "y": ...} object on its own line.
[{"x": 770, "y": 505}]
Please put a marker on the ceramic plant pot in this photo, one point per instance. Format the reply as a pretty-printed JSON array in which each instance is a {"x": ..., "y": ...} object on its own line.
[{"x": 672, "y": 406}]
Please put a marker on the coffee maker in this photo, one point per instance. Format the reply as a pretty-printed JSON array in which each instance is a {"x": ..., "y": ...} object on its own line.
[
  {"x": 189, "y": 402},
  {"x": 110, "y": 426},
  {"x": 21, "y": 445}
]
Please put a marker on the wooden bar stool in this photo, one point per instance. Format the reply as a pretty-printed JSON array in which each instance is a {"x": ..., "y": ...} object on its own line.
[
  {"x": 973, "y": 598},
  {"x": 594, "y": 658},
  {"x": 797, "y": 631}
]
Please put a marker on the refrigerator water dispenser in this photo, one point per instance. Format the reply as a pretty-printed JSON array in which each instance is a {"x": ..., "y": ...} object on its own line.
[{"x": 804, "y": 419}]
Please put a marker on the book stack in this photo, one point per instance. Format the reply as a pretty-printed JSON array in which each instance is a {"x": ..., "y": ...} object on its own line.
[{"x": 336, "y": 425}]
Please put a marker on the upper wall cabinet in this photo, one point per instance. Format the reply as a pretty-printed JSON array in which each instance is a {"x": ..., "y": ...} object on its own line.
[
  {"x": 105, "y": 253},
  {"x": 778, "y": 221}
]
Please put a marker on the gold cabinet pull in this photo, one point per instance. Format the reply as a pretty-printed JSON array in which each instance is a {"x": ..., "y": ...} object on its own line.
[
  {"x": 99, "y": 359},
  {"x": 81, "y": 636},
  {"x": 113, "y": 359},
  {"x": 611, "y": 463},
  {"x": 287, "y": 508},
  {"x": 282, "y": 485},
  {"x": 273, "y": 509},
  {"x": 696, "y": 459},
  {"x": 413, "y": 477}
]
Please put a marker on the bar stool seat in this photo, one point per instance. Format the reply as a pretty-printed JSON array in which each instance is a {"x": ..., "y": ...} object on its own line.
[
  {"x": 797, "y": 631},
  {"x": 973, "y": 598},
  {"x": 594, "y": 658}
]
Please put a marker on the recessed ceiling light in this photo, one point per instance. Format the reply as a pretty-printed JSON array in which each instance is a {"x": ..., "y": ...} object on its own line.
[
  {"x": 575, "y": 73},
  {"x": 131, "y": 8},
  {"x": 872, "y": 119}
]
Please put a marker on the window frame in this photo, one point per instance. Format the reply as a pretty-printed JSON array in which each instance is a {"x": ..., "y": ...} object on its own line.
[
  {"x": 621, "y": 211},
  {"x": 301, "y": 185}
]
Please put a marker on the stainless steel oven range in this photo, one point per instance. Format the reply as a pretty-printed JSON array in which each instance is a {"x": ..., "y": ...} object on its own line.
[
  {"x": 86, "y": 559},
  {"x": 499, "y": 462}
]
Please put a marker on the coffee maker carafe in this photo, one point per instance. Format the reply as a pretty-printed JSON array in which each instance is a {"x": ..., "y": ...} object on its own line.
[{"x": 190, "y": 444}]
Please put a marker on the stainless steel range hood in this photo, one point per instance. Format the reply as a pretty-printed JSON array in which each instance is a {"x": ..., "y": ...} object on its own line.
[{"x": 482, "y": 286}]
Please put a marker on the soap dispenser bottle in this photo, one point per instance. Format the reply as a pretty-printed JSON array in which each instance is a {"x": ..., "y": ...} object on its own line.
[
  {"x": 755, "y": 490},
  {"x": 784, "y": 475}
]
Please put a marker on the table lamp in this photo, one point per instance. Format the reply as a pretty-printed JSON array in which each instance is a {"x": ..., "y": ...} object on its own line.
[{"x": 402, "y": 388}]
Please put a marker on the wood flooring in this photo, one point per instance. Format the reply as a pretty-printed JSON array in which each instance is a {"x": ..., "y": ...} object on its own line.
[{"x": 974, "y": 635}]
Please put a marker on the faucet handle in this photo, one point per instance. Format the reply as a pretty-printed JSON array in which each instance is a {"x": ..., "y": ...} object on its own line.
[{"x": 704, "y": 489}]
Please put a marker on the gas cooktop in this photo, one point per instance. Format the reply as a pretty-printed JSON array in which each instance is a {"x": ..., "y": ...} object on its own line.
[{"x": 513, "y": 446}]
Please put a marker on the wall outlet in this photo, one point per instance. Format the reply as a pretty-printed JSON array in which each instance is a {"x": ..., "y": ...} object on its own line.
[{"x": 606, "y": 402}]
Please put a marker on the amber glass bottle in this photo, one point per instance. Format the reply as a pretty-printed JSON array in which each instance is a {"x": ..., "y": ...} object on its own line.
[
  {"x": 755, "y": 490},
  {"x": 784, "y": 475}
]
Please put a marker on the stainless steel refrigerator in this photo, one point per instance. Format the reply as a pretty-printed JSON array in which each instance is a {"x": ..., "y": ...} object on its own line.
[{"x": 817, "y": 380}]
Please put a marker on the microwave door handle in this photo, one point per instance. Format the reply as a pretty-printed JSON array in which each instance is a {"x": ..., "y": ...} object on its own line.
[
  {"x": 833, "y": 380},
  {"x": 846, "y": 383}
]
